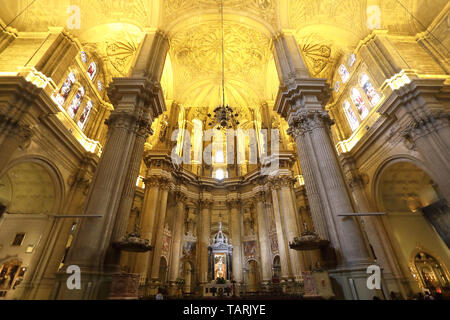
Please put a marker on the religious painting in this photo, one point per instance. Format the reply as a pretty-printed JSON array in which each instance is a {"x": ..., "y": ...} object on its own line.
[
  {"x": 189, "y": 249},
  {"x": 11, "y": 275},
  {"x": 250, "y": 249},
  {"x": 274, "y": 243},
  {"x": 220, "y": 265}
]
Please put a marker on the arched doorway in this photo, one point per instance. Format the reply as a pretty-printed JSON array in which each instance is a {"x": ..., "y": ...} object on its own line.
[
  {"x": 417, "y": 216},
  {"x": 30, "y": 190},
  {"x": 276, "y": 270}
]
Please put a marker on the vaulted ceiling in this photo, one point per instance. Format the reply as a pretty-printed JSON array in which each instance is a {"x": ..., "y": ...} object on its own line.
[{"x": 325, "y": 29}]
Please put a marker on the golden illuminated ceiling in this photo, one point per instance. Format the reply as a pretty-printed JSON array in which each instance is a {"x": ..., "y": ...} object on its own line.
[
  {"x": 197, "y": 59},
  {"x": 325, "y": 29}
]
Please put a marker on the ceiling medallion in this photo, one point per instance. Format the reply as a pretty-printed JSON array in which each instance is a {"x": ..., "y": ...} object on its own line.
[{"x": 223, "y": 117}]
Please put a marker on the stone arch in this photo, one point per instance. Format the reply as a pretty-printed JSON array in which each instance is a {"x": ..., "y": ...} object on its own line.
[
  {"x": 415, "y": 213},
  {"x": 49, "y": 173}
]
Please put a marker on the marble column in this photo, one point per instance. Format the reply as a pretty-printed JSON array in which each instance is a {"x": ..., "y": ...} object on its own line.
[
  {"x": 236, "y": 240},
  {"x": 301, "y": 101},
  {"x": 178, "y": 233},
  {"x": 282, "y": 245},
  {"x": 147, "y": 225},
  {"x": 159, "y": 233},
  {"x": 136, "y": 98},
  {"x": 264, "y": 241},
  {"x": 291, "y": 226},
  {"x": 203, "y": 239},
  {"x": 143, "y": 131},
  {"x": 373, "y": 225},
  {"x": 93, "y": 238}
]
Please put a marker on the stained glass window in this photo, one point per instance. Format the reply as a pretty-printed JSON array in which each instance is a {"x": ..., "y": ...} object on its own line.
[
  {"x": 92, "y": 70},
  {"x": 359, "y": 103},
  {"x": 351, "y": 60},
  {"x": 83, "y": 56},
  {"x": 337, "y": 86},
  {"x": 85, "y": 115},
  {"x": 351, "y": 116},
  {"x": 65, "y": 89},
  {"x": 76, "y": 103},
  {"x": 344, "y": 74},
  {"x": 369, "y": 89}
]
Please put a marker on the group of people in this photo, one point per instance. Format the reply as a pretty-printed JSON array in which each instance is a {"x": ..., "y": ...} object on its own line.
[{"x": 420, "y": 296}]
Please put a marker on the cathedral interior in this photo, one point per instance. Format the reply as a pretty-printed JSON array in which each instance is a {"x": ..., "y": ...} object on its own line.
[{"x": 235, "y": 148}]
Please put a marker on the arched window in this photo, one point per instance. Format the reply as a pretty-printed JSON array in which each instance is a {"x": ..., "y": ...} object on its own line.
[
  {"x": 92, "y": 70},
  {"x": 83, "y": 56},
  {"x": 343, "y": 73},
  {"x": 65, "y": 89},
  {"x": 359, "y": 103},
  {"x": 76, "y": 103},
  {"x": 369, "y": 89},
  {"x": 352, "y": 118},
  {"x": 351, "y": 60},
  {"x": 85, "y": 115}
]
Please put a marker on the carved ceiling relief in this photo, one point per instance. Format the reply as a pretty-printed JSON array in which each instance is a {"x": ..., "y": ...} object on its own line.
[
  {"x": 320, "y": 56},
  {"x": 349, "y": 14},
  {"x": 46, "y": 13},
  {"x": 265, "y": 9},
  {"x": 197, "y": 56},
  {"x": 117, "y": 55}
]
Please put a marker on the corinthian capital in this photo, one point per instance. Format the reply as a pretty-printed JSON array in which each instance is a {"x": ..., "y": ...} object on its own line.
[
  {"x": 205, "y": 203},
  {"x": 123, "y": 120},
  {"x": 303, "y": 120},
  {"x": 233, "y": 204},
  {"x": 352, "y": 175}
]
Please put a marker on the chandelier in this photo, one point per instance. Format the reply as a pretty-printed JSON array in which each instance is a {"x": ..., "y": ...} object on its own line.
[{"x": 223, "y": 117}]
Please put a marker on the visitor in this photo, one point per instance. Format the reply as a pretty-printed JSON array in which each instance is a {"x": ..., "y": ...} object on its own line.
[
  {"x": 159, "y": 296},
  {"x": 428, "y": 296}
]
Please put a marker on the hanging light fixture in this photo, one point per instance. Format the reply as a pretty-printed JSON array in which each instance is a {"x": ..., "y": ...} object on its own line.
[{"x": 223, "y": 117}]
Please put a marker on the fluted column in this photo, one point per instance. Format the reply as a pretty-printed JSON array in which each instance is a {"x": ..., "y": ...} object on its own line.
[
  {"x": 203, "y": 238},
  {"x": 282, "y": 245},
  {"x": 177, "y": 239},
  {"x": 374, "y": 228},
  {"x": 159, "y": 233},
  {"x": 147, "y": 224},
  {"x": 143, "y": 131},
  {"x": 291, "y": 226},
  {"x": 301, "y": 101},
  {"x": 264, "y": 242},
  {"x": 92, "y": 239},
  {"x": 236, "y": 240},
  {"x": 346, "y": 236}
]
